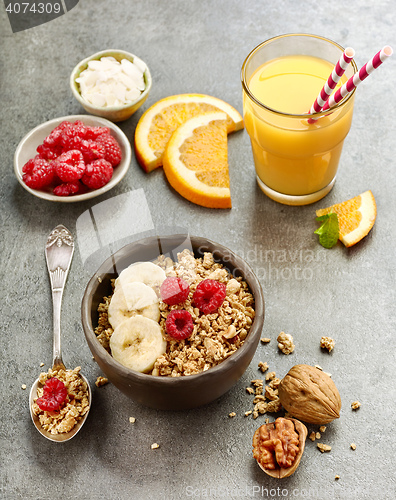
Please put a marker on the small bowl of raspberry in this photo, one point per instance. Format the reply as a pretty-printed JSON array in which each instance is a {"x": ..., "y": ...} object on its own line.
[
  {"x": 72, "y": 158},
  {"x": 192, "y": 342},
  {"x": 112, "y": 84}
]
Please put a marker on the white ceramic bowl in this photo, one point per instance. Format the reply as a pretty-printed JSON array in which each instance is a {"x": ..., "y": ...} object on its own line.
[
  {"x": 27, "y": 149},
  {"x": 113, "y": 113}
]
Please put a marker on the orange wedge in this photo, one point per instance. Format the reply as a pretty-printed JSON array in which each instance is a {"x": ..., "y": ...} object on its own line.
[
  {"x": 355, "y": 217},
  {"x": 195, "y": 160},
  {"x": 157, "y": 124}
]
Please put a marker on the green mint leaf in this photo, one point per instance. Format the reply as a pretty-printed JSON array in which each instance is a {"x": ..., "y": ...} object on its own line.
[{"x": 329, "y": 231}]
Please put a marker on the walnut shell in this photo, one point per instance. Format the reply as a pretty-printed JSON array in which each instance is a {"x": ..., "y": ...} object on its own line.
[
  {"x": 281, "y": 472},
  {"x": 310, "y": 395}
]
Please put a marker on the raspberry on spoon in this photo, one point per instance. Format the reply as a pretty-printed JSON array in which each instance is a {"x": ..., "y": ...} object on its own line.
[{"x": 54, "y": 394}]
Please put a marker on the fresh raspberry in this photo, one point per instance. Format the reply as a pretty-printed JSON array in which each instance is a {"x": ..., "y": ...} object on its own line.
[
  {"x": 70, "y": 166},
  {"x": 91, "y": 150},
  {"x": 209, "y": 295},
  {"x": 38, "y": 173},
  {"x": 54, "y": 394},
  {"x": 97, "y": 174},
  {"x": 179, "y": 324},
  {"x": 49, "y": 152},
  {"x": 71, "y": 134},
  {"x": 54, "y": 139},
  {"x": 113, "y": 150},
  {"x": 72, "y": 142},
  {"x": 174, "y": 290},
  {"x": 67, "y": 188},
  {"x": 93, "y": 133}
]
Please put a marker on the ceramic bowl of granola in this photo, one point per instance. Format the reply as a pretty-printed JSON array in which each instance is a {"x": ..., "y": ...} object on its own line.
[{"x": 145, "y": 345}]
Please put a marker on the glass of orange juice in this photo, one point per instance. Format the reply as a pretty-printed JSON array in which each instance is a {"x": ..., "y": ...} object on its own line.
[{"x": 296, "y": 158}]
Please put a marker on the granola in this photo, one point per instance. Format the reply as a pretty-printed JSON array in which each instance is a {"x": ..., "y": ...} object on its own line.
[
  {"x": 76, "y": 406},
  {"x": 323, "y": 447},
  {"x": 285, "y": 343},
  {"x": 101, "y": 381},
  {"x": 215, "y": 336},
  {"x": 266, "y": 398},
  {"x": 327, "y": 343}
]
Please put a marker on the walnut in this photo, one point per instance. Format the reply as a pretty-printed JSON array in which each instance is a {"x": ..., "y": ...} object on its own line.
[
  {"x": 310, "y": 395},
  {"x": 278, "y": 446}
]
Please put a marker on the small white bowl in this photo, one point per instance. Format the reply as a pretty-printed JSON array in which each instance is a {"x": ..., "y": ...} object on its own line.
[
  {"x": 113, "y": 113},
  {"x": 27, "y": 149}
]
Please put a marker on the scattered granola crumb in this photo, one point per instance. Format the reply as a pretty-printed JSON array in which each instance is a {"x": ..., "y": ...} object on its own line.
[
  {"x": 101, "y": 381},
  {"x": 271, "y": 394},
  {"x": 312, "y": 436},
  {"x": 232, "y": 414},
  {"x": 263, "y": 366},
  {"x": 267, "y": 420},
  {"x": 353, "y": 446},
  {"x": 265, "y": 340},
  {"x": 319, "y": 367},
  {"x": 247, "y": 413},
  {"x": 132, "y": 420},
  {"x": 322, "y": 428},
  {"x": 323, "y": 447},
  {"x": 337, "y": 477},
  {"x": 285, "y": 343},
  {"x": 249, "y": 390},
  {"x": 355, "y": 405},
  {"x": 41, "y": 364},
  {"x": 270, "y": 376},
  {"x": 257, "y": 383},
  {"x": 154, "y": 446},
  {"x": 265, "y": 400},
  {"x": 327, "y": 343},
  {"x": 318, "y": 435},
  {"x": 23, "y": 386}
]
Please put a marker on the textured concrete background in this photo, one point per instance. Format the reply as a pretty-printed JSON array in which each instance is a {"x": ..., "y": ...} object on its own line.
[{"x": 199, "y": 46}]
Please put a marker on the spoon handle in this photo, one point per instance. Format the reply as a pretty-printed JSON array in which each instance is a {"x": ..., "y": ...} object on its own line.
[{"x": 58, "y": 254}]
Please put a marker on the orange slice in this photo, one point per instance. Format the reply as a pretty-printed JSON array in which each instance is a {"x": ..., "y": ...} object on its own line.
[
  {"x": 195, "y": 160},
  {"x": 355, "y": 217},
  {"x": 157, "y": 124}
]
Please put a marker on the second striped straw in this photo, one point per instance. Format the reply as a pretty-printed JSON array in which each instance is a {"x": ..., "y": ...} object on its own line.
[
  {"x": 332, "y": 81},
  {"x": 358, "y": 77}
]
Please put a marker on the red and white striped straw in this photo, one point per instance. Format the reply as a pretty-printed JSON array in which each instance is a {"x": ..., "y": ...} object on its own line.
[
  {"x": 333, "y": 79},
  {"x": 358, "y": 77}
]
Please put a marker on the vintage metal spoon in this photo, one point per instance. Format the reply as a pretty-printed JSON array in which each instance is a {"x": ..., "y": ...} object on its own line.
[{"x": 58, "y": 253}]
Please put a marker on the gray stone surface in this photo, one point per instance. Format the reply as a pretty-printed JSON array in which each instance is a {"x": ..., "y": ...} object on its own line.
[{"x": 199, "y": 46}]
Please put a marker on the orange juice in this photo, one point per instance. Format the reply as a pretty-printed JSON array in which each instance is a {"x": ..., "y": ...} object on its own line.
[{"x": 292, "y": 156}]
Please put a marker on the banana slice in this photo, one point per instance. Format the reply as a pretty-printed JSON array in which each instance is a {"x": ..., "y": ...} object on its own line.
[
  {"x": 137, "y": 342},
  {"x": 133, "y": 299},
  {"x": 144, "y": 272}
]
